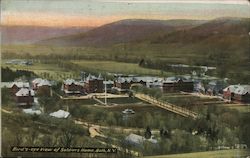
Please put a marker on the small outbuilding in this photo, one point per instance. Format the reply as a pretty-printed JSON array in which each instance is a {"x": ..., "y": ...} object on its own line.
[{"x": 60, "y": 114}]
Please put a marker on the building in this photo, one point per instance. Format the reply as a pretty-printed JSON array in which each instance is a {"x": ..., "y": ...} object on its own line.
[
  {"x": 14, "y": 86},
  {"x": 25, "y": 97},
  {"x": 135, "y": 139},
  {"x": 44, "y": 88},
  {"x": 215, "y": 87},
  {"x": 35, "y": 82},
  {"x": 109, "y": 85},
  {"x": 72, "y": 87},
  {"x": 239, "y": 93},
  {"x": 138, "y": 140},
  {"x": 177, "y": 84},
  {"x": 154, "y": 84},
  {"x": 94, "y": 84},
  {"x": 123, "y": 84},
  {"x": 19, "y": 62},
  {"x": 199, "y": 87},
  {"x": 41, "y": 86},
  {"x": 60, "y": 114}
]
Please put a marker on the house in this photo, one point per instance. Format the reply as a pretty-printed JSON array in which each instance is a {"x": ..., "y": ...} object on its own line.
[
  {"x": 41, "y": 86},
  {"x": 44, "y": 88},
  {"x": 122, "y": 84},
  {"x": 32, "y": 111},
  {"x": 60, "y": 114},
  {"x": 94, "y": 84},
  {"x": 35, "y": 82},
  {"x": 239, "y": 93},
  {"x": 177, "y": 84},
  {"x": 25, "y": 97},
  {"x": 138, "y": 140},
  {"x": 72, "y": 87},
  {"x": 135, "y": 139},
  {"x": 14, "y": 86}
]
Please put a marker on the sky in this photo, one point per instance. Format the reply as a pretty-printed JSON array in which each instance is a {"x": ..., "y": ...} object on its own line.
[{"x": 92, "y": 13}]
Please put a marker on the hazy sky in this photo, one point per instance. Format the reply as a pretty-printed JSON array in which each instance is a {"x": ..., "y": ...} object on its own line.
[{"x": 98, "y": 12}]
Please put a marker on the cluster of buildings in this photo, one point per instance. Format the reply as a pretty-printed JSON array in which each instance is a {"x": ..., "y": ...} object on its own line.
[
  {"x": 19, "y": 62},
  {"x": 24, "y": 92},
  {"x": 123, "y": 84},
  {"x": 93, "y": 84}
]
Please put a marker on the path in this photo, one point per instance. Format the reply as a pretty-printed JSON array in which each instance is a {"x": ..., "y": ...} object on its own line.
[
  {"x": 96, "y": 95},
  {"x": 203, "y": 95},
  {"x": 167, "y": 106},
  {"x": 116, "y": 128},
  {"x": 6, "y": 111},
  {"x": 99, "y": 101}
]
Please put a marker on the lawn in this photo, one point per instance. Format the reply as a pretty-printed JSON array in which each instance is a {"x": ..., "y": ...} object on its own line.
[
  {"x": 118, "y": 67},
  {"x": 122, "y": 100},
  {"x": 58, "y": 73},
  {"x": 240, "y": 107},
  {"x": 210, "y": 154},
  {"x": 53, "y": 71},
  {"x": 188, "y": 101}
]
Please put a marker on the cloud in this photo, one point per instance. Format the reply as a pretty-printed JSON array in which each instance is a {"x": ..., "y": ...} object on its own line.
[
  {"x": 53, "y": 19},
  {"x": 236, "y": 2}
]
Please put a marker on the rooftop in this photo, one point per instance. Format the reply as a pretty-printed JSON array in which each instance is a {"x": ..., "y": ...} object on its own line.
[
  {"x": 238, "y": 89},
  {"x": 25, "y": 92},
  {"x": 44, "y": 83},
  {"x": 18, "y": 84},
  {"x": 60, "y": 114}
]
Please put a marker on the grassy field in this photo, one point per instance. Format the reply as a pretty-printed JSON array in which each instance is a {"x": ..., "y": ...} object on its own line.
[
  {"x": 54, "y": 72},
  {"x": 158, "y": 53},
  {"x": 136, "y": 50},
  {"x": 209, "y": 154},
  {"x": 34, "y": 50},
  {"x": 58, "y": 73},
  {"x": 118, "y": 67},
  {"x": 240, "y": 107}
]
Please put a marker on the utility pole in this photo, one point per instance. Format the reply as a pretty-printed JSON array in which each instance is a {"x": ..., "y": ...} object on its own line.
[
  {"x": 83, "y": 75},
  {"x": 105, "y": 91}
]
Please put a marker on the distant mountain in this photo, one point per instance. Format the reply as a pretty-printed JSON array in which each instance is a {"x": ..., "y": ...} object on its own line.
[
  {"x": 123, "y": 31},
  {"x": 32, "y": 34},
  {"x": 215, "y": 29}
]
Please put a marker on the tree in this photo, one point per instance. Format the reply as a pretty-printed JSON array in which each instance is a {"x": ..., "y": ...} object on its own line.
[
  {"x": 148, "y": 133},
  {"x": 47, "y": 103},
  {"x": 68, "y": 138},
  {"x": 147, "y": 119},
  {"x": 49, "y": 140},
  {"x": 111, "y": 119},
  {"x": 6, "y": 96},
  {"x": 18, "y": 137},
  {"x": 141, "y": 63},
  {"x": 165, "y": 146},
  {"x": 164, "y": 133},
  {"x": 32, "y": 137},
  {"x": 178, "y": 141}
]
